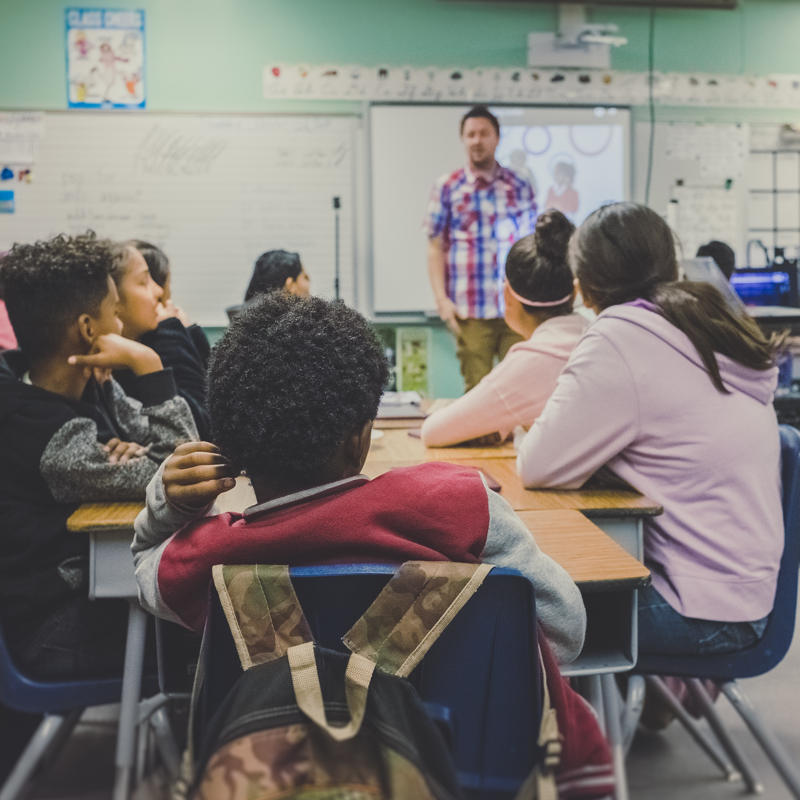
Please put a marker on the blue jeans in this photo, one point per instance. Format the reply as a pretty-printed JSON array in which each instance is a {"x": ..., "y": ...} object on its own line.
[{"x": 663, "y": 631}]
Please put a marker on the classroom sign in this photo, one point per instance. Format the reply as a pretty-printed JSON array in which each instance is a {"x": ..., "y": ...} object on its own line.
[{"x": 105, "y": 58}]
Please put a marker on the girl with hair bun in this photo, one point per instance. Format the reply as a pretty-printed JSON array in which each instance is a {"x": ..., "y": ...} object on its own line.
[
  {"x": 539, "y": 294},
  {"x": 672, "y": 391}
]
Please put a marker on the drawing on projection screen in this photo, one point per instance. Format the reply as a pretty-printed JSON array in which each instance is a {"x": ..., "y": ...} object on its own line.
[
  {"x": 575, "y": 168},
  {"x": 105, "y": 58}
]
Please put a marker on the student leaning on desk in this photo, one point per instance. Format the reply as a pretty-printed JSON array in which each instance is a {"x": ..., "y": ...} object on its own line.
[
  {"x": 294, "y": 388},
  {"x": 66, "y": 438},
  {"x": 673, "y": 392}
]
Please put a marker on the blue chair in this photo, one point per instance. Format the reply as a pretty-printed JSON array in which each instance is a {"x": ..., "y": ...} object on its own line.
[
  {"x": 480, "y": 681},
  {"x": 61, "y": 704},
  {"x": 724, "y": 669}
]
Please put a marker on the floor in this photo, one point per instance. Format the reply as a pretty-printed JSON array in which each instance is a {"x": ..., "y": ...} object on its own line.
[{"x": 663, "y": 766}]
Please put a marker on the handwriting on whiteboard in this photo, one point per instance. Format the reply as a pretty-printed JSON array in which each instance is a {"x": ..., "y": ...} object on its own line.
[{"x": 164, "y": 152}]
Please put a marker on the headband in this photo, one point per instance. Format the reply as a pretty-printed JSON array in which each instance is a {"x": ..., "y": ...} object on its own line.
[{"x": 527, "y": 302}]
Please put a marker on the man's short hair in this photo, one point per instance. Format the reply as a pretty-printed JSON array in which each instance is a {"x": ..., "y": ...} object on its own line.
[
  {"x": 271, "y": 271},
  {"x": 480, "y": 112},
  {"x": 291, "y": 378},
  {"x": 721, "y": 253},
  {"x": 49, "y": 284}
]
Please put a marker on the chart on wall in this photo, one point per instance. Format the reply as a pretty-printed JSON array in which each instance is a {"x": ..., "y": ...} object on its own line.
[
  {"x": 577, "y": 159},
  {"x": 105, "y": 58}
]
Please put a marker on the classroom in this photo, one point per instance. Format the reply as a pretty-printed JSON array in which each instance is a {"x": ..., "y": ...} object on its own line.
[{"x": 399, "y": 399}]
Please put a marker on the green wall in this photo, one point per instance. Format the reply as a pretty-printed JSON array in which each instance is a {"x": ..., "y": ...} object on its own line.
[{"x": 207, "y": 55}]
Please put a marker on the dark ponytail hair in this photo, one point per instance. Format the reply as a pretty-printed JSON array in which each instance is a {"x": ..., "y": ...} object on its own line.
[
  {"x": 625, "y": 251},
  {"x": 537, "y": 268},
  {"x": 156, "y": 260}
]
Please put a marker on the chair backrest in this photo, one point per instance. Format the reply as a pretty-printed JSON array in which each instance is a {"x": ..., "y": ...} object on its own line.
[
  {"x": 19, "y": 692},
  {"x": 775, "y": 642},
  {"x": 481, "y": 679}
]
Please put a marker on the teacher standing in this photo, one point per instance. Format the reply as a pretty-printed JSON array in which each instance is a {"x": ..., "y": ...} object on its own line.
[{"x": 474, "y": 216}]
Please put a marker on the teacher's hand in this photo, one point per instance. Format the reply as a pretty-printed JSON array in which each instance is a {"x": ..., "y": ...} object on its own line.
[{"x": 447, "y": 311}]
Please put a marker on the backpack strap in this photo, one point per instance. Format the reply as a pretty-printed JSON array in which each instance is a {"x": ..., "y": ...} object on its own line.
[
  {"x": 411, "y": 612},
  {"x": 308, "y": 692},
  {"x": 262, "y": 610}
]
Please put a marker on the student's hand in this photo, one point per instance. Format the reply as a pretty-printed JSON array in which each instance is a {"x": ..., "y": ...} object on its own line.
[
  {"x": 196, "y": 474},
  {"x": 123, "y": 452},
  {"x": 447, "y": 312},
  {"x": 112, "y": 351},
  {"x": 169, "y": 309}
]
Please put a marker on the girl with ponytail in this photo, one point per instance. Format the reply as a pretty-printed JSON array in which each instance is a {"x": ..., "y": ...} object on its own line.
[
  {"x": 673, "y": 392},
  {"x": 539, "y": 294}
]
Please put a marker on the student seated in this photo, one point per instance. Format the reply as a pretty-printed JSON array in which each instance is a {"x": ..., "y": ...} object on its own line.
[
  {"x": 294, "y": 388},
  {"x": 277, "y": 269},
  {"x": 161, "y": 273},
  {"x": 65, "y": 440},
  {"x": 145, "y": 320},
  {"x": 538, "y": 296},
  {"x": 722, "y": 254},
  {"x": 673, "y": 392}
]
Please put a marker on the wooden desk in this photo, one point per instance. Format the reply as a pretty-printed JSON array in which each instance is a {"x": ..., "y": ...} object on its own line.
[
  {"x": 396, "y": 446},
  {"x": 593, "y": 560}
]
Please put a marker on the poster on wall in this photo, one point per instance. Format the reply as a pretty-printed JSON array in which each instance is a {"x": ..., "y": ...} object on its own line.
[{"x": 105, "y": 58}]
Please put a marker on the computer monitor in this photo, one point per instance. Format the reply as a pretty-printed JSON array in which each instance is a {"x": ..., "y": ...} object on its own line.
[{"x": 775, "y": 285}]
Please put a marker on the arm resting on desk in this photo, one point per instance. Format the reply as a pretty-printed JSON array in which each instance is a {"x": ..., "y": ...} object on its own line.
[
  {"x": 559, "y": 605},
  {"x": 590, "y": 418},
  {"x": 77, "y": 468},
  {"x": 157, "y": 522}
]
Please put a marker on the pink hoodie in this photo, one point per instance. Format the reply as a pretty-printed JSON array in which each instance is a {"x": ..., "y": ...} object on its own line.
[
  {"x": 514, "y": 392},
  {"x": 635, "y": 396}
]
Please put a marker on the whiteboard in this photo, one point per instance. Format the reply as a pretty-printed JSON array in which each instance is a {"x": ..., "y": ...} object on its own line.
[
  {"x": 213, "y": 191},
  {"x": 413, "y": 145}
]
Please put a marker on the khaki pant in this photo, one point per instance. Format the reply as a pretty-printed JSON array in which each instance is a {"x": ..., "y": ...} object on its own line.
[{"x": 479, "y": 342}]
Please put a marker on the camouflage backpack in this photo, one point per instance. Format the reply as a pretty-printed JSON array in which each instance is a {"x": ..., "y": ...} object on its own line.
[{"x": 311, "y": 723}]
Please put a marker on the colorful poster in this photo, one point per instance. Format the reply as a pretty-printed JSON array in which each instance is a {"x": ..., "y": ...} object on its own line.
[{"x": 105, "y": 58}]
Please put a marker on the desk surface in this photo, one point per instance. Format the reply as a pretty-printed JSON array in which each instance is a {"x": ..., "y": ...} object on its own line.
[
  {"x": 594, "y": 502},
  {"x": 396, "y": 445},
  {"x": 592, "y": 558}
]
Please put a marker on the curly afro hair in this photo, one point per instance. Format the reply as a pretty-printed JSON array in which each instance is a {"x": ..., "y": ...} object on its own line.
[
  {"x": 49, "y": 284},
  {"x": 291, "y": 378}
]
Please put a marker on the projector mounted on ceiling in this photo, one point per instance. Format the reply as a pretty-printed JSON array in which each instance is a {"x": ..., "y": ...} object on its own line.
[{"x": 578, "y": 43}]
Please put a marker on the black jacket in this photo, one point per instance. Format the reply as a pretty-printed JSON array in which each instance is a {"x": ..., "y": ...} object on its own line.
[
  {"x": 180, "y": 350},
  {"x": 51, "y": 461}
]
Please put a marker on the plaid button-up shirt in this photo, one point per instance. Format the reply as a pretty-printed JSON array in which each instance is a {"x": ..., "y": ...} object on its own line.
[{"x": 478, "y": 221}]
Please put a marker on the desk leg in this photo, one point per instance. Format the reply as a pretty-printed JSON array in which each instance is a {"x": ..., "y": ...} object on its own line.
[
  {"x": 129, "y": 706},
  {"x": 614, "y": 733}
]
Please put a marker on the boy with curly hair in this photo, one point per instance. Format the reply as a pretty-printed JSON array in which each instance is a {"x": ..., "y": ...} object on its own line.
[
  {"x": 66, "y": 438},
  {"x": 293, "y": 390}
]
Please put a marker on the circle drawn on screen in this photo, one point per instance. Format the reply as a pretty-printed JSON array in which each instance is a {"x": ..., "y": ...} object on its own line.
[
  {"x": 584, "y": 151},
  {"x": 537, "y": 140}
]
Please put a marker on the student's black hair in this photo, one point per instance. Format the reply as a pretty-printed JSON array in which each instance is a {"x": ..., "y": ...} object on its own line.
[
  {"x": 291, "y": 378},
  {"x": 156, "y": 259},
  {"x": 626, "y": 251},
  {"x": 537, "y": 267},
  {"x": 49, "y": 284},
  {"x": 271, "y": 271},
  {"x": 721, "y": 253},
  {"x": 480, "y": 112}
]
